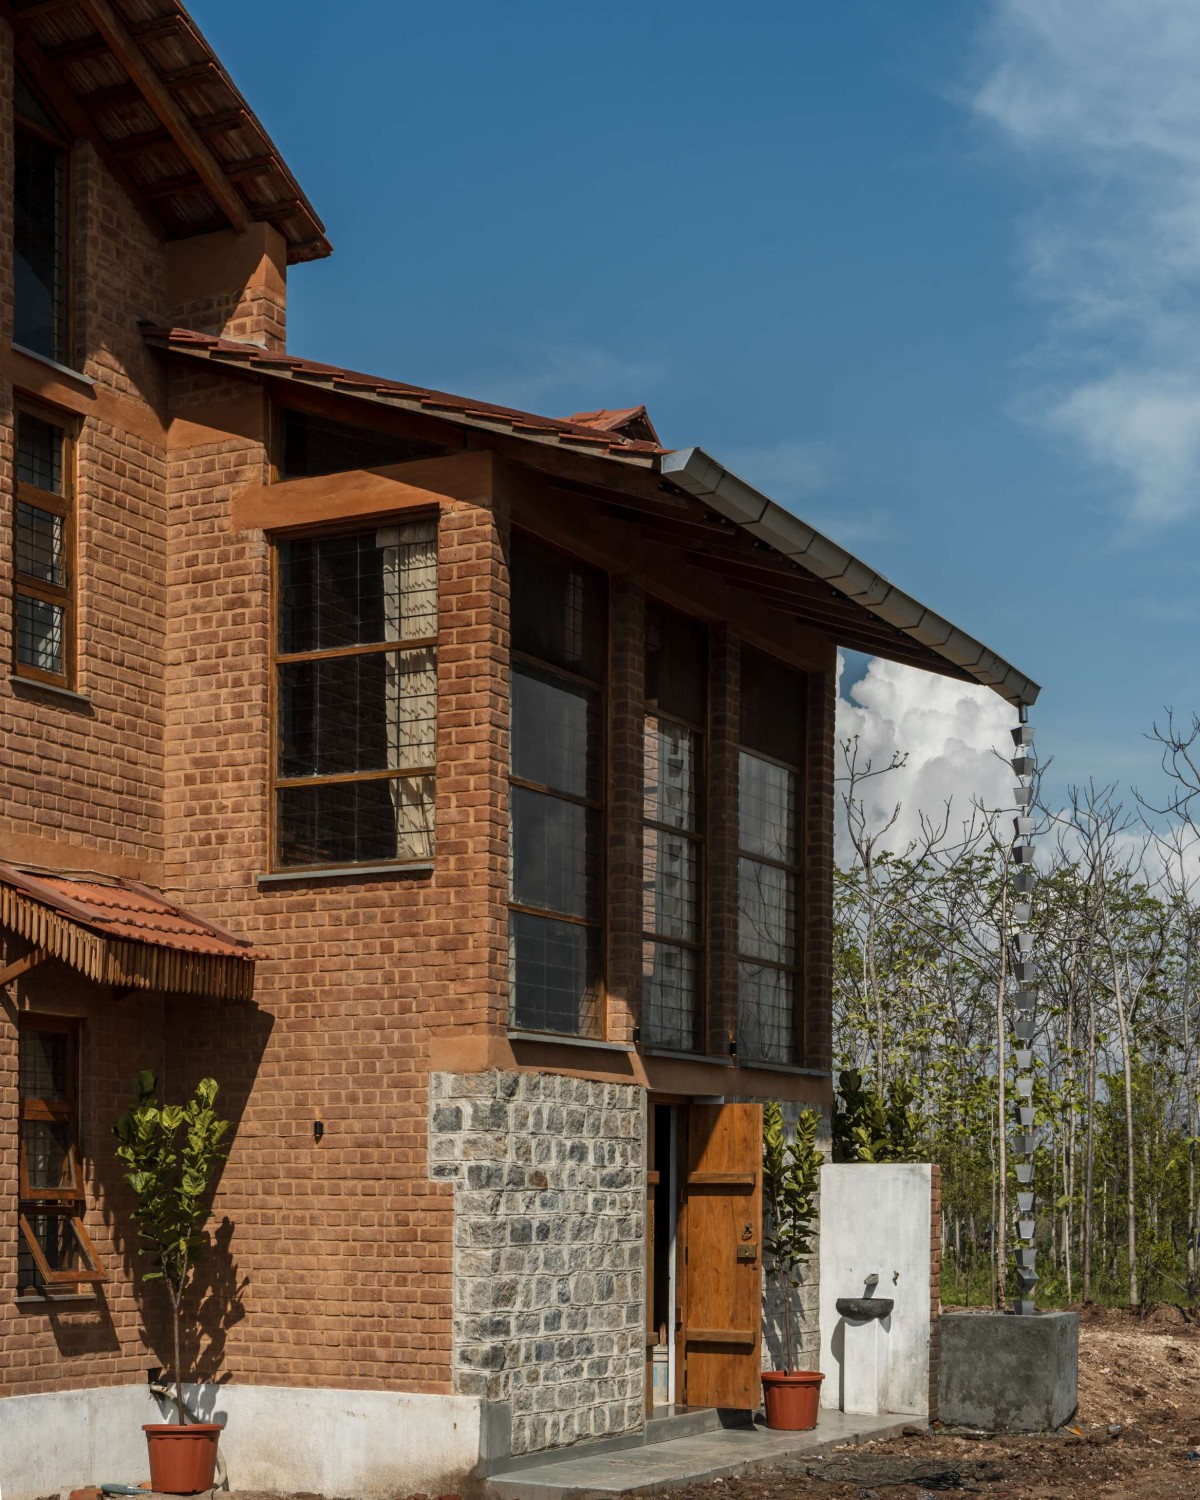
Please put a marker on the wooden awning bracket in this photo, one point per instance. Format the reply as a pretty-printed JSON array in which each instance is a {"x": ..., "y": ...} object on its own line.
[{"x": 22, "y": 966}]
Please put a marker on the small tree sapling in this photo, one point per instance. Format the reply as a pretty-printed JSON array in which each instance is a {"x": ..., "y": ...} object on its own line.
[
  {"x": 170, "y": 1153},
  {"x": 791, "y": 1181}
]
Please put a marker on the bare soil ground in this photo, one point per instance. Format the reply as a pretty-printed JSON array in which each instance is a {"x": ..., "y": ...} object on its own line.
[{"x": 1139, "y": 1418}]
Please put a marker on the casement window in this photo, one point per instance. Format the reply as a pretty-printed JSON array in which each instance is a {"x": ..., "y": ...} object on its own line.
[
  {"x": 356, "y": 697},
  {"x": 40, "y": 173},
  {"x": 54, "y": 1249},
  {"x": 770, "y": 823},
  {"x": 309, "y": 444},
  {"x": 43, "y": 549},
  {"x": 676, "y": 662},
  {"x": 556, "y": 917}
]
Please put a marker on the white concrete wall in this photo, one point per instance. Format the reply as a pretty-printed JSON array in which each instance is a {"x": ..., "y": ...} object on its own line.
[
  {"x": 876, "y": 1219},
  {"x": 278, "y": 1440}
]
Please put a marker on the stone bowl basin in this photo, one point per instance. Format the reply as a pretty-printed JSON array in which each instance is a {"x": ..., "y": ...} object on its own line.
[{"x": 862, "y": 1308}]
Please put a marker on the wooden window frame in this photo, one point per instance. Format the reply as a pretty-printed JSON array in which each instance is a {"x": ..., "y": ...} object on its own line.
[
  {"x": 599, "y": 805},
  {"x": 62, "y": 1202},
  {"x": 58, "y": 138},
  {"x": 64, "y": 595},
  {"x": 796, "y": 969},
  {"x": 698, "y": 839},
  {"x": 277, "y": 659}
]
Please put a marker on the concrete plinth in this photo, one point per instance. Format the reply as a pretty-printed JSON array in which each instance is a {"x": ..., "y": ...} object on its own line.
[
  {"x": 864, "y": 1366},
  {"x": 1002, "y": 1373}
]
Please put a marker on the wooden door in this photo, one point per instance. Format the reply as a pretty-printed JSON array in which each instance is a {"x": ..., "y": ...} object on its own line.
[{"x": 721, "y": 1301}]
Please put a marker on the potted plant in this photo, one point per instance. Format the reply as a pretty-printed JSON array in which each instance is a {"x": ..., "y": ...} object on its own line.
[
  {"x": 791, "y": 1179},
  {"x": 170, "y": 1153}
]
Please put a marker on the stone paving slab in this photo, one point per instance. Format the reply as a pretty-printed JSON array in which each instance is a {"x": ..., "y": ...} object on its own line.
[{"x": 690, "y": 1460}]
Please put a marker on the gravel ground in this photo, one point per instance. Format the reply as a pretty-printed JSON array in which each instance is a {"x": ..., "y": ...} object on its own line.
[{"x": 1139, "y": 1417}]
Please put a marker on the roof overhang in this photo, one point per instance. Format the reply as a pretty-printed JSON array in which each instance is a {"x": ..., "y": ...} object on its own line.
[
  {"x": 139, "y": 79},
  {"x": 775, "y": 528},
  {"x": 119, "y": 933}
]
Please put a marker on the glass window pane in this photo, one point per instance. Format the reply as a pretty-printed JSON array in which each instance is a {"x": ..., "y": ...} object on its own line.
[
  {"x": 38, "y": 321},
  {"x": 671, "y": 996},
  {"x": 554, "y": 970},
  {"x": 43, "y": 1065},
  {"x": 670, "y": 886},
  {"x": 319, "y": 445},
  {"x": 355, "y": 590},
  {"x": 48, "y": 1163},
  {"x": 766, "y": 912},
  {"x": 672, "y": 774},
  {"x": 338, "y": 715},
  {"x": 676, "y": 663},
  {"x": 40, "y": 634},
  {"x": 766, "y": 1013},
  {"x": 39, "y": 453},
  {"x": 768, "y": 807},
  {"x": 356, "y": 822},
  {"x": 555, "y": 854},
  {"x": 39, "y": 544},
  {"x": 773, "y": 707},
  {"x": 555, "y": 732},
  {"x": 557, "y": 610}
]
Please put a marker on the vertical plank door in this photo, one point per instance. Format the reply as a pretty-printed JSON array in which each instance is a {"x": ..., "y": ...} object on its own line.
[{"x": 722, "y": 1295}]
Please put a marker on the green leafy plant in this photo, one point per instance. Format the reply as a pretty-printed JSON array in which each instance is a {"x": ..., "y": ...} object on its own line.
[
  {"x": 791, "y": 1181},
  {"x": 170, "y": 1153},
  {"x": 869, "y": 1128}
]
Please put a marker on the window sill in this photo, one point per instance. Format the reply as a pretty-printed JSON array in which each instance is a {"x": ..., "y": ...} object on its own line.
[
  {"x": 557, "y": 1039},
  {"x": 778, "y": 1067},
  {"x": 693, "y": 1057},
  {"x": 53, "y": 364},
  {"x": 68, "y": 695},
  {"x": 342, "y": 872},
  {"x": 49, "y": 1299}
]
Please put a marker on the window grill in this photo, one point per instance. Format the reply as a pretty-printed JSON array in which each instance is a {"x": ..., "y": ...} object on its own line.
[
  {"x": 43, "y": 541},
  {"x": 356, "y": 697}
]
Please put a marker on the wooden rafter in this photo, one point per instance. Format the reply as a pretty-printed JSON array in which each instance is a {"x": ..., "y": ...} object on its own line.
[
  {"x": 160, "y": 99},
  {"x": 22, "y": 966}
]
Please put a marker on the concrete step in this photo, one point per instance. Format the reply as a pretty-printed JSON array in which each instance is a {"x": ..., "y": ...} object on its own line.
[
  {"x": 583, "y": 1473},
  {"x": 667, "y": 1423}
]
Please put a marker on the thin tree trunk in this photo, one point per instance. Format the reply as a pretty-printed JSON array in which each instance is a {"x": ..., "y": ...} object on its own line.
[
  {"x": 1089, "y": 1165},
  {"x": 1130, "y": 1162}
]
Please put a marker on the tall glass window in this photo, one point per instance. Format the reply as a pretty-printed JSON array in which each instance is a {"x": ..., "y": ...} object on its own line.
[
  {"x": 556, "y": 916},
  {"x": 43, "y": 564},
  {"x": 39, "y": 228},
  {"x": 673, "y": 832},
  {"x": 356, "y": 696},
  {"x": 770, "y": 821}
]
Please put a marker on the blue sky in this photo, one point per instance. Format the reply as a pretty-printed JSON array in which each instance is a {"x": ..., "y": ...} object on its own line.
[{"x": 928, "y": 274}]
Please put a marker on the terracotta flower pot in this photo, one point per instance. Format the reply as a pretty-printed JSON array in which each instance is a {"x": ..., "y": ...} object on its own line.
[
  {"x": 792, "y": 1399},
  {"x": 183, "y": 1460}
]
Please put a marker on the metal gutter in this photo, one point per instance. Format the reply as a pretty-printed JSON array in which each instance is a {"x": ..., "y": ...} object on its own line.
[{"x": 703, "y": 477}]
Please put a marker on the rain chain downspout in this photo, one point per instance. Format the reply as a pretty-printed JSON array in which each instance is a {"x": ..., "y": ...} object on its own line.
[{"x": 1024, "y": 1141}]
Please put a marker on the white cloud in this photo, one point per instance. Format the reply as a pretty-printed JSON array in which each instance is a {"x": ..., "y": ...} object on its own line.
[
  {"x": 949, "y": 731},
  {"x": 559, "y": 379},
  {"x": 1100, "y": 97}
]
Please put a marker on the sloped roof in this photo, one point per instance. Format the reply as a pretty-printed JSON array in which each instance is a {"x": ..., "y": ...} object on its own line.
[
  {"x": 566, "y": 431},
  {"x": 139, "y": 78},
  {"x": 122, "y": 933},
  {"x": 713, "y": 520}
]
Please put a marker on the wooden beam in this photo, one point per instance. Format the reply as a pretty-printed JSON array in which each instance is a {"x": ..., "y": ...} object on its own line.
[
  {"x": 37, "y": 10},
  {"x": 160, "y": 99},
  {"x": 22, "y": 966}
]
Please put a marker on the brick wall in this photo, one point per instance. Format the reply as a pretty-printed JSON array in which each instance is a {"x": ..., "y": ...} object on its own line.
[{"x": 549, "y": 1195}]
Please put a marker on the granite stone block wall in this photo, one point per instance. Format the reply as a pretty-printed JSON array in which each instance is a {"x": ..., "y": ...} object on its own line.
[{"x": 549, "y": 1252}]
